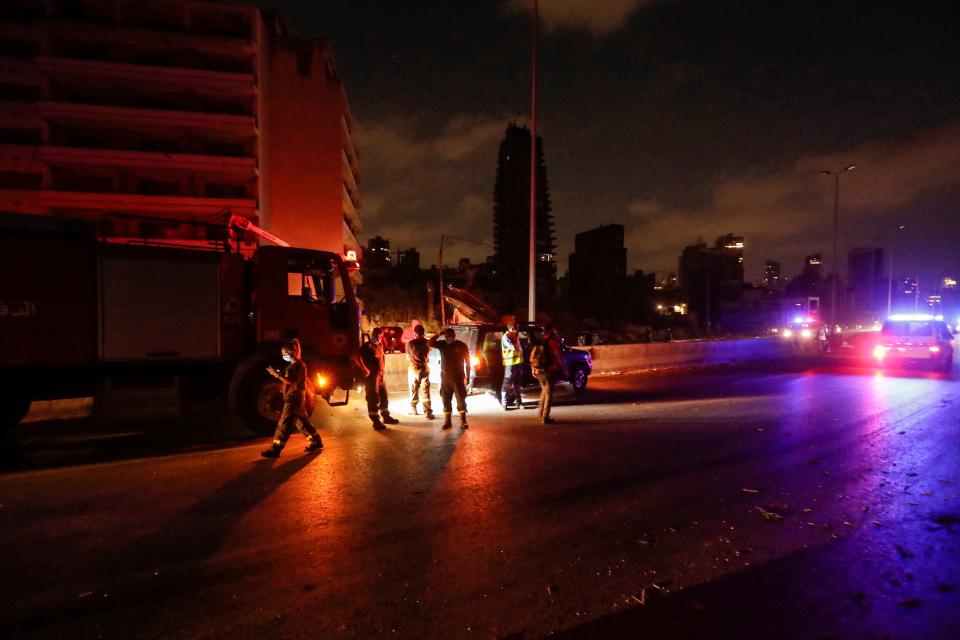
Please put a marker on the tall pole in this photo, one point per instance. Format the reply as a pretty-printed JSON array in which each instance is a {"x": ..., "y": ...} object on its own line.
[
  {"x": 443, "y": 307},
  {"x": 836, "y": 225},
  {"x": 532, "y": 285},
  {"x": 890, "y": 285},
  {"x": 836, "y": 265}
]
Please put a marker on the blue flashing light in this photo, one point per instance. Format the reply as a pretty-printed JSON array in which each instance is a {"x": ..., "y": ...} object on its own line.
[{"x": 911, "y": 317}]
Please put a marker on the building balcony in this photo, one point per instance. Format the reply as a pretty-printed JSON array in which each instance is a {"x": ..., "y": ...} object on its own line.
[
  {"x": 43, "y": 202},
  {"x": 145, "y": 118},
  {"x": 350, "y": 214},
  {"x": 201, "y": 80},
  {"x": 135, "y": 45},
  {"x": 29, "y": 159}
]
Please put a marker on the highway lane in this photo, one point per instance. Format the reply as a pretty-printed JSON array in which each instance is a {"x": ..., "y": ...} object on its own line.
[{"x": 742, "y": 502}]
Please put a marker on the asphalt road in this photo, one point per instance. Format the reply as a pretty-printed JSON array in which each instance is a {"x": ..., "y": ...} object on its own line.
[{"x": 738, "y": 503}]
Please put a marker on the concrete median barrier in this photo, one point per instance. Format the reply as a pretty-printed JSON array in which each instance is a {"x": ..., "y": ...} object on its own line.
[
  {"x": 664, "y": 355},
  {"x": 654, "y": 355}
]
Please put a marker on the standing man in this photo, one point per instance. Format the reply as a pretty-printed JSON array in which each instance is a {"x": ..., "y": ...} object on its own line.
[
  {"x": 512, "y": 352},
  {"x": 454, "y": 374},
  {"x": 546, "y": 362},
  {"x": 294, "y": 414},
  {"x": 418, "y": 375},
  {"x": 372, "y": 363}
]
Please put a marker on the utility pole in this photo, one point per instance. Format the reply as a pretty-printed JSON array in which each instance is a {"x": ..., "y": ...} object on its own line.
[
  {"x": 532, "y": 285},
  {"x": 836, "y": 227},
  {"x": 900, "y": 227},
  {"x": 443, "y": 307}
]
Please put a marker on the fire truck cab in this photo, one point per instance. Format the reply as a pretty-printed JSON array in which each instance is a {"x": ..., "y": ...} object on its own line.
[{"x": 87, "y": 313}]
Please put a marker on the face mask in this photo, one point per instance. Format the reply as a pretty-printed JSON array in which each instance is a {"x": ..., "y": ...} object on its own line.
[{"x": 287, "y": 357}]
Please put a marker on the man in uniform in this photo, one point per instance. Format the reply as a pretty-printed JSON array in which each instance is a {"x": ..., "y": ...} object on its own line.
[
  {"x": 454, "y": 374},
  {"x": 372, "y": 363},
  {"x": 294, "y": 414},
  {"x": 512, "y": 352},
  {"x": 546, "y": 362},
  {"x": 418, "y": 375}
]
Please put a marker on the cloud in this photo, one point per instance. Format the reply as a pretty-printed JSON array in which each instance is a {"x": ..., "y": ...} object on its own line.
[
  {"x": 786, "y": 213},
  {"x": 421, "y": 179},
  {"x": 600, "y": 18}
]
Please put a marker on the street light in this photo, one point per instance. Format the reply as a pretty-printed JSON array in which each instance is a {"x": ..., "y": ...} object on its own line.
[
  {"x": 836, "y": 217},
  {"x": 532, "y": 258},
  {"x": 900, "y": 227}
]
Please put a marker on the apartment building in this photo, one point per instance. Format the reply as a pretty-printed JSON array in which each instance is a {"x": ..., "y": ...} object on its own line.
[{"x": 175, "y": 109}]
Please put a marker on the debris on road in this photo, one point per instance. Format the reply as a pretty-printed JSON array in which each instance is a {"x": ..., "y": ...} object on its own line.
[{"x": 772, "y": 516}]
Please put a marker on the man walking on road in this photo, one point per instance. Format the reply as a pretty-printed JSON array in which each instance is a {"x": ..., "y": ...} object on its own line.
[
  {"x": 372, "y": 363},
  {"x": 512, "y": 353},
  {"x": 454, "y": 374},
  {"x": 418, "y": 375},
  {"x": 295, "y": 403},
  {"x": 546, "y": 362}
]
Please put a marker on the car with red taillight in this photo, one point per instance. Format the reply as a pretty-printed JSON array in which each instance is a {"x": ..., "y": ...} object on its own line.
[{"x": 916, "y": 339}]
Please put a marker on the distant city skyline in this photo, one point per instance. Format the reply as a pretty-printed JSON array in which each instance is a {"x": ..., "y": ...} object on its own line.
[{"x": 661, "y": 117}]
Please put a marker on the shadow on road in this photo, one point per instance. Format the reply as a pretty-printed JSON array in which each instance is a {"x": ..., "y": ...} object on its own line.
[
  {"x": 822, "y": 592},
  {"x": 170, "y": 559}
]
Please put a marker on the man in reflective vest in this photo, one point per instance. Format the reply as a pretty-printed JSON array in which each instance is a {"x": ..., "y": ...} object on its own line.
[{"x": 512, "y": 352}]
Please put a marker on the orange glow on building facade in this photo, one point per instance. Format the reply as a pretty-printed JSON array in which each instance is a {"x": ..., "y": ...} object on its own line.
[{"x": 175, "y": 109}]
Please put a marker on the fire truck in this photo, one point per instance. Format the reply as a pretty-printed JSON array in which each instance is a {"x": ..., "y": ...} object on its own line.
[{"x": 196, "y": 310}]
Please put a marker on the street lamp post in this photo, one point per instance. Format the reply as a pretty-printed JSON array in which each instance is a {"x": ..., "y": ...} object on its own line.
[
  {"x": 836, "y": 224},
  {"x": 900, "y": 227},
  {"x": 532, "y": 284}
]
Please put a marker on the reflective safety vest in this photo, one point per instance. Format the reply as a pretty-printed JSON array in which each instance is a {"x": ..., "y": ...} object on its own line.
[{"x": 511, "y": 353}]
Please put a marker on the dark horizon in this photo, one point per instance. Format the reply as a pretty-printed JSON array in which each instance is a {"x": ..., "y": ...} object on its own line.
[{"x": 676, "y": 119}]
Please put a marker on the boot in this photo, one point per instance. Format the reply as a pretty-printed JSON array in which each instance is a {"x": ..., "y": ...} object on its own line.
[
  {"x": 377, "y": 425},
  {"x": 446, "y": 421},
  {"x": 428, "y": 414},
  {"x": 413, "y": 410},
  {"x": 463, "y": 420},
  {"x": 315, "y": 444},
  {"x": 272, "y": 452},
  {"x": 388, "y": 419}
]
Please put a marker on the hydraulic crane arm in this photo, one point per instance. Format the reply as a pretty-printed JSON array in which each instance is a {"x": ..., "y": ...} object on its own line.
[{"x": 239, "y": 222}]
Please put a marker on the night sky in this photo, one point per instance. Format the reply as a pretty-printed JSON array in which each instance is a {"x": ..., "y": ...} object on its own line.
[{"x": 676, "y": 119}]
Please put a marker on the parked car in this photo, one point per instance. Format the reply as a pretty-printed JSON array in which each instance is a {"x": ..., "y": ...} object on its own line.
[{"x": 486, "y": 363}]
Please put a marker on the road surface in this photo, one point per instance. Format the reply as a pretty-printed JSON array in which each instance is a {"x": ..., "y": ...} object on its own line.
[{"x": 732, "y": 503}]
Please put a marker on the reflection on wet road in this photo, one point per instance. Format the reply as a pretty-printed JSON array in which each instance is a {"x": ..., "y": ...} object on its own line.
[{"x": 737, "y": 503}]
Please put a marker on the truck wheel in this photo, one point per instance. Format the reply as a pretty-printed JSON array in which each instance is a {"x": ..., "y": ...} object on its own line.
[
  {"x": 260, "y": 401},
  {"x": 13, "y": 409},
  {"x": 579, "y": 379}
]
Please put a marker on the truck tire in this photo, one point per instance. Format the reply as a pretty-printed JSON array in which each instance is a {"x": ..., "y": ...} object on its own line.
[
  {"x": 578, "y": 379},
  {"x": 259, "y": 401},
  {"x": 13, "y": 409}
]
